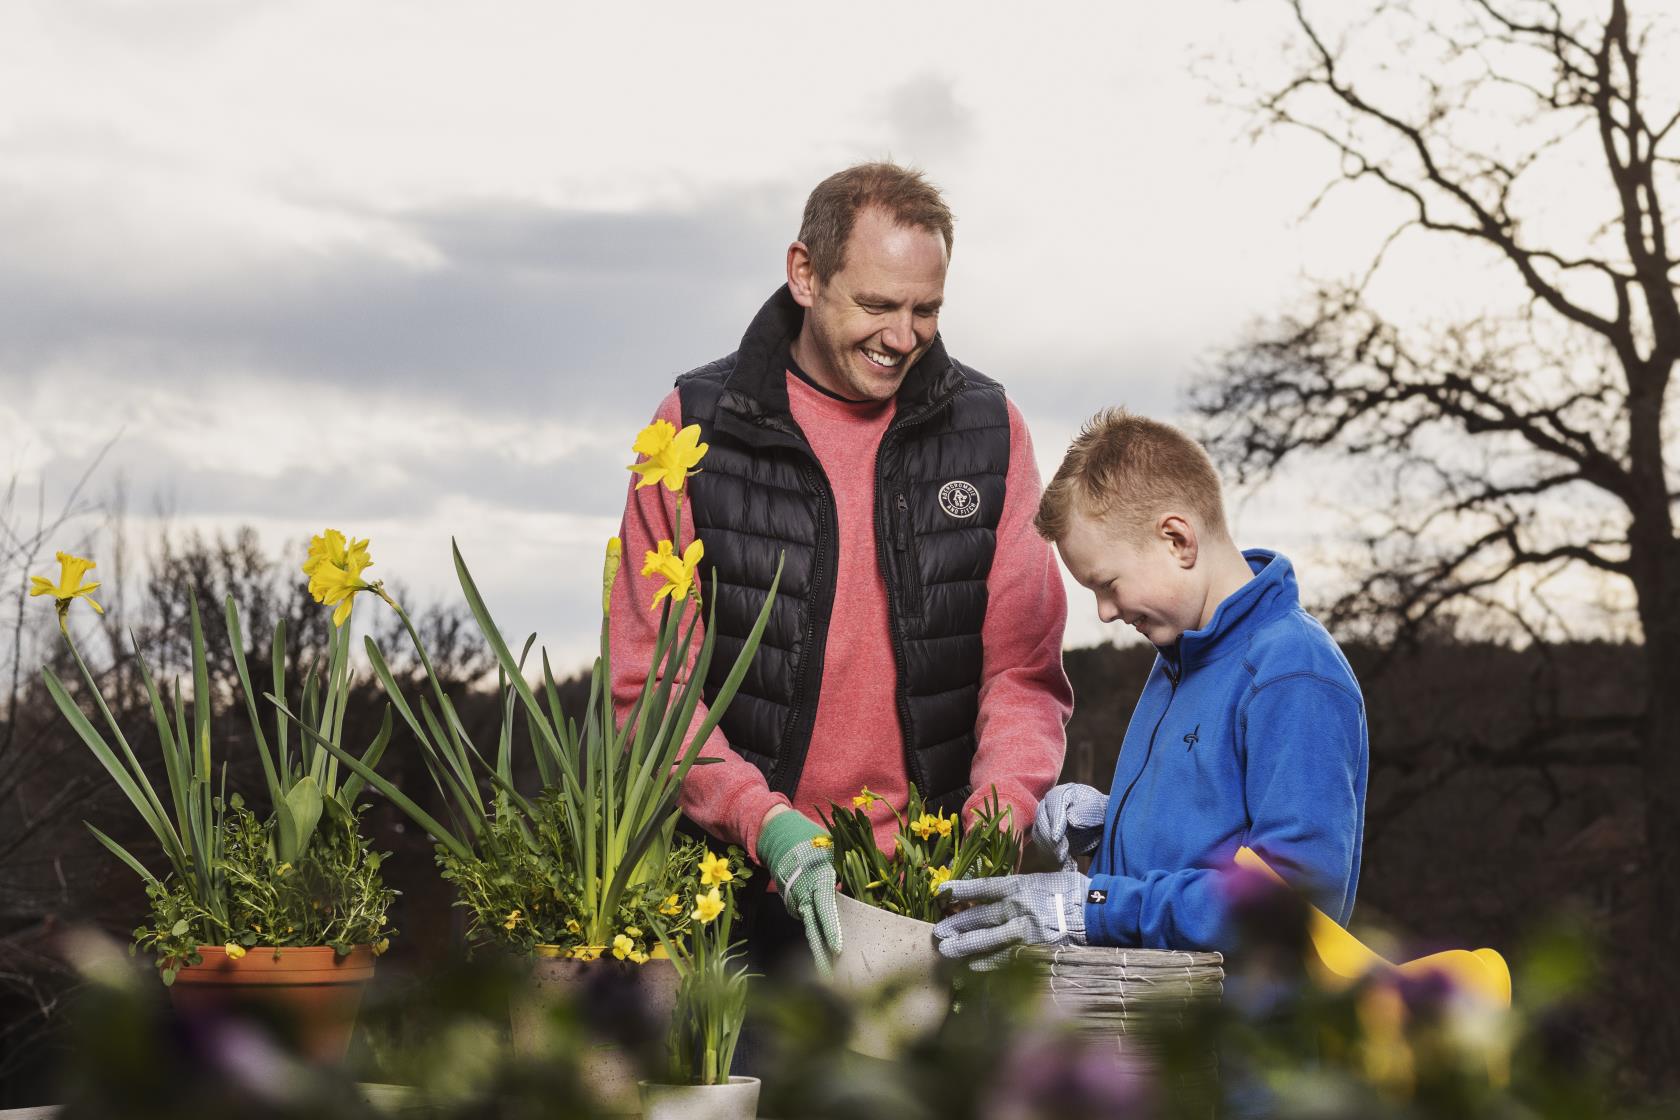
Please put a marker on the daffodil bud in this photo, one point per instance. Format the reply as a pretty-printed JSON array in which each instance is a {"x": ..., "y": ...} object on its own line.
[{"x": 609, "y": 572}]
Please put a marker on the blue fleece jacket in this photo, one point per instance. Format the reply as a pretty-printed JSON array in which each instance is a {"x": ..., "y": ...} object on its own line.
[{"x": 1250, "y": 731}]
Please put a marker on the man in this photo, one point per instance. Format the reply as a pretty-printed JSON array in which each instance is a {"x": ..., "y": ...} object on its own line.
[{"x": 916, "y": 634}]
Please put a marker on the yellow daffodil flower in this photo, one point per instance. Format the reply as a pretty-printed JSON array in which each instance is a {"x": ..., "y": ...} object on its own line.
[
  {"x": 926, "y": 825},
  {"x": 334, "y": 566},
  {"x": 707, "y": 907},
  {"x": 714, "y": 870},
  {"x": 69, "y": 587},
  {"x": 609, "y": 572},
  {"x": 511, "y": 920},
  {"x": 866, "y": 799},
  {"x": 821, "y": 842},
  {"x": 678, "y": 571},
  {"x": 234, "y": 950},
  {"x": 936, "y": 876},
  {"x": 671, "y": 907},
  {"x": 622, "y": 946},
  {"x": 670, "y": 454},
  {"x": 945, "y": 824}
]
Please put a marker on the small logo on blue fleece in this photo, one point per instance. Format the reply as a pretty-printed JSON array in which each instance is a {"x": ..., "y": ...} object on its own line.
[
  {"x": 1191, "y": 739},
  {"x": 1098, "y": 897}
]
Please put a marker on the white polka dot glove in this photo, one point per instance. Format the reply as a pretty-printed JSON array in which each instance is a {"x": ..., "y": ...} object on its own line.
[
  {"x": 1069, "y": 822},
  {"x": 1042, "y": 909}
]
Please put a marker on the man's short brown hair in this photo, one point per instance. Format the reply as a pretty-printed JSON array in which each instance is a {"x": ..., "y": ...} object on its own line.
[
  {"x": 1131, "y": 470},
  {"x": 831, "y": 211}
]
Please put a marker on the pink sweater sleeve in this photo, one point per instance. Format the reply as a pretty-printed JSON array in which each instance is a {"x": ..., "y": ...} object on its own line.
[
  {"x": 727, "y": 798},
  {"x": 1025, "y": 697}
]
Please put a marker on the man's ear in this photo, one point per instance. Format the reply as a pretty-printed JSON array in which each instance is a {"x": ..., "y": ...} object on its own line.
[
  {"x": 802, "y": 278},
  {"x": 1180, "y": 536}
]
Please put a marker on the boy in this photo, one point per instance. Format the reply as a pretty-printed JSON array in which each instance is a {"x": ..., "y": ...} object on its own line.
[{"x": 1250, "y": 729}]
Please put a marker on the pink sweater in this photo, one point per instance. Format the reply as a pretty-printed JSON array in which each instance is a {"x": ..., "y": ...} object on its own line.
[{"x": 856, "y": 741}]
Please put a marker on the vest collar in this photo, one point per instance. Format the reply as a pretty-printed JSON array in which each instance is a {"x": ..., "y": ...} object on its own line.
[{"x": 754, "y": 403}]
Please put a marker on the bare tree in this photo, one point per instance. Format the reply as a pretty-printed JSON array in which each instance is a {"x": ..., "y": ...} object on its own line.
[{"x": 1522, "y": 447}]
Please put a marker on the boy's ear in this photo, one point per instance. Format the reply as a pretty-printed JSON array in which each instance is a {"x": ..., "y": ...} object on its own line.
[{"x": 1180, "y": 537}]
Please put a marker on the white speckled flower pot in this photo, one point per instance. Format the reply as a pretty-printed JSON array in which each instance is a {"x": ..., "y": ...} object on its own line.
[
  {"x": 881, "y": 951},
  {"x": 737, "y": 1100}
]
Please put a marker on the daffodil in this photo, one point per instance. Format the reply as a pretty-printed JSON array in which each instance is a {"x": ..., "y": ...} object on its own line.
[
  {"x": 69, "y": 587},
  {"x": 936, "y": 876},
  {"x": 945, "y": 824},
  {"x": 707, "y": 907},
  {"x": 678, "y": 571},
  {"x": 234, "y": 950},
  {"x": 926, "y": 825},
  {"x": 866, "y": 799},
  {"x": 609, "y": 572},
  {"x": 670, "y": 454},
  {"x": 334, "y": 566},
  {"x": 622, "y": 946},
  {"x": 671, "y": 907},
  {"x": 714, "y": 869}
]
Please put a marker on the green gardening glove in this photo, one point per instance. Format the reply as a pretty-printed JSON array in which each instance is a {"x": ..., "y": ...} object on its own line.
[{"x": 800, "y": 856}]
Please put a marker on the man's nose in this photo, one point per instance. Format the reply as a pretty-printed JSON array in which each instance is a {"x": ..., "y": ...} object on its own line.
[{"x": 900, "y": 332}]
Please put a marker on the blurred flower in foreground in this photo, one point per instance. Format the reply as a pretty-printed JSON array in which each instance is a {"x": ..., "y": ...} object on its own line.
[{"x": 69, "y": 587}]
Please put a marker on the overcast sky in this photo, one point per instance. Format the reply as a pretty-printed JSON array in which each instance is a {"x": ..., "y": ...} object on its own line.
[{"x": 416, "y": 270}]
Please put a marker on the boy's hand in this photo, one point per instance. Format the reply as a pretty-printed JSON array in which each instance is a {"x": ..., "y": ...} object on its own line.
[
  {"x": 1069, "y": 822},
  {"x": 1042, "y": 909},
  {"x": 801, "y": 857}
]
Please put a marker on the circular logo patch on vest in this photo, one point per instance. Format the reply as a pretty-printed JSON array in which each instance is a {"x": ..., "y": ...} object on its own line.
[{"x": 959, "y": 499}]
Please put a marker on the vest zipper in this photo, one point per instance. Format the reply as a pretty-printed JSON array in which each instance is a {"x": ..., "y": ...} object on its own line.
[{"x": 910, "y": 568}]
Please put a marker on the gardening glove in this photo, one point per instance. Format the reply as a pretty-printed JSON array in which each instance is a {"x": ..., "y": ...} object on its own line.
[
  {"x": 1069, "y": 822},
  {"x": 800, "y": 856},
  {"x": 1043, "y": 909}
]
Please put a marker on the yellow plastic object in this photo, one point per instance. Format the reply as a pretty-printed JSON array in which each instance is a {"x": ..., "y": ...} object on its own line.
[{"x": 1344, "y": 959}]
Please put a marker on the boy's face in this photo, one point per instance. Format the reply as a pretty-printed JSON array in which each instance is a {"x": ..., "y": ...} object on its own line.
[{"x": 1151, "y": 584}]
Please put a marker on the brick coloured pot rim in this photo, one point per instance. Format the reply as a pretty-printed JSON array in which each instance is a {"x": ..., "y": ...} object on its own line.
[{"x": 290, "y": 964}]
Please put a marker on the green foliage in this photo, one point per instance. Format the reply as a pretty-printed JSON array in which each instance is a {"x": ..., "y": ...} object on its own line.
[
  {"x": 928, "y": 849},
  {"x": 712, "y": 994},
  {"x": 521, "y": 890},
  {"x": 333, "y": 895}
]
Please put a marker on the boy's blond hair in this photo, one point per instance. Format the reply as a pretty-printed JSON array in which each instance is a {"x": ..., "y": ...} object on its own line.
[{"x": 1131, "y": 470}]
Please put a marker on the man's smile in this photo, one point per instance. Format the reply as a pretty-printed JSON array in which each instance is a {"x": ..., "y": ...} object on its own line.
[{"x": 884, "y": 360}]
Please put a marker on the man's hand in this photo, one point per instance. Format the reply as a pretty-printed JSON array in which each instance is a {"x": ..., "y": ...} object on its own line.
[
  {"x": 1043, "y": 909},
  {"x": 1069, "y": 822},
  {"x": 800, "y": 856}
]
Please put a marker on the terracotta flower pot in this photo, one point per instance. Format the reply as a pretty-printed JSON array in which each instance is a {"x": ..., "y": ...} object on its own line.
[
  {"x": 737, "y": 1100},
  {"x": 616, "y": 999},
  {"x": 311, "y": 988},
  {"x": 882, "y": 952}
]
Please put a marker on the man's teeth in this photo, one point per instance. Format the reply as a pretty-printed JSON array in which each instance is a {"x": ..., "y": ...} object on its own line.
[{"x": 881, "y": 359}]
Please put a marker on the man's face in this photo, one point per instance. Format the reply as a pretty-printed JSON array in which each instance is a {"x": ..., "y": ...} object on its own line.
[
  {"x": 1146, "y": 583},
  {"x": 871, "y": 321}
]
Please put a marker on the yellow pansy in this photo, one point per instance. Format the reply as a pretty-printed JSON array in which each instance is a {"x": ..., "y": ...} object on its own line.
[
  {"x": 622, "y": 946},
  {"x": 678, "y": 571},
  {"x": 821, "y": 842},
  {"x": 671, "y": 906},
  {"x": 707, "y": 907},
  {"x": 334, "y": 566},
  {"x": 670, "y": 454},
  {"x": 632, "y": 931},
  {"x": 638, "y": 957},
  {"x": 572, "y": 926},
  {"x": 234, "y": 950},
  {"x": 69, "y": 587},
  {"x": 511, "y": 920},
  {"x": 926, "y": 825},
  {"x": 866, "y": 799},
  {"x": 936, "y": 876},
  {"x": 714, "y": 870},
  {"x": 380, "y": 946}
]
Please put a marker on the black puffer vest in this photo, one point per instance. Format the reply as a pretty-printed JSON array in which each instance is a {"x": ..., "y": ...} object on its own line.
[{"x": 939, "y": 490}]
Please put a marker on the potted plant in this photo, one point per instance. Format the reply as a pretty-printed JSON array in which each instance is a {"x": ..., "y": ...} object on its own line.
[
  {"x": 711, "y": 1006},
  {"x": 891, "y": 902},
  {"x": 286, "y": 909},
  {"x": 576, "y": 874}
]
